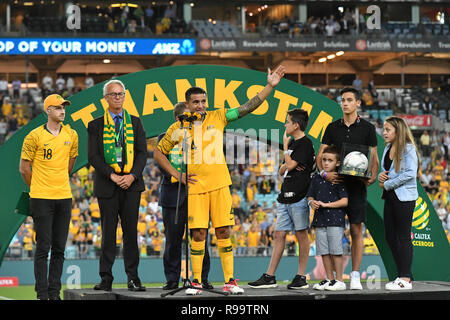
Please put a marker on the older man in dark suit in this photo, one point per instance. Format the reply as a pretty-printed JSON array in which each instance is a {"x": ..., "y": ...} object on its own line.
[{"x": 117, "y": 149}]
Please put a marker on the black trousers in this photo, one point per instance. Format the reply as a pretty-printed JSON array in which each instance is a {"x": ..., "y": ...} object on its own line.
[
  {"x": 123, "y": 204},
  {"x": 397, "y": 224},
  {"x": 51, "y": 220},
  {"x": 357, "y": 200},
  {"x": 174, "y": 238}
]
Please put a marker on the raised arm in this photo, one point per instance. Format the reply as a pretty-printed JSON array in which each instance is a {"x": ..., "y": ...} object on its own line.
[{"x": 273, "y": 78}]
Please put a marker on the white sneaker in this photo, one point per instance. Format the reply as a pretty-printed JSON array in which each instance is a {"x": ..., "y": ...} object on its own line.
[
  {"x": 193, "y": 291},
  {"x": 389, "y": 285},
  {"x": 321, "y": 285},
  {"x": 355, "y": 281},
  {"x": 399, "y": 284},
  {"x": 232, "y": 288},
  {"x": 336, "y": 285}
]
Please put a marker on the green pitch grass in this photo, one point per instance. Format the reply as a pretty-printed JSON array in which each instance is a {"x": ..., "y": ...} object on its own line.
[{"x": 28, "y": 293}]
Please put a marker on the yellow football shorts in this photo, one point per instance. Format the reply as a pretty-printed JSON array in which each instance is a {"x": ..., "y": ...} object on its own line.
[{"x": 217, "y": 203}]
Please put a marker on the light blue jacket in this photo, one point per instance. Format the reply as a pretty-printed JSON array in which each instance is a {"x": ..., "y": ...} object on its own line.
[{"x": 404, "y": 182}]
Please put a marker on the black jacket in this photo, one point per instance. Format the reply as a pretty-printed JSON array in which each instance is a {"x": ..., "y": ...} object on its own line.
[{"x": 103, "y": 185}]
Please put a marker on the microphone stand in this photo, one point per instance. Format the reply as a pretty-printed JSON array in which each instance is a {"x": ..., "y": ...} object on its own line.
[{"x": 187, "y": 284}]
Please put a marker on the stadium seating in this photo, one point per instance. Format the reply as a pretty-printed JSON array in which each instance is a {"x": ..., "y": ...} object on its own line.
[
  {"x": 89, "y": 24},
  {"x": 411, "y": 30},
  {"x": 216, "y": 29},
  {"x": 224, "y": 29}
]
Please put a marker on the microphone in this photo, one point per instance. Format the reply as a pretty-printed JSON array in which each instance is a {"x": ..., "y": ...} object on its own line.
[
  {"x": 195, "y": 116},
  {"x": 189, "y": 117},
  {"x": 183, "y": 117}
]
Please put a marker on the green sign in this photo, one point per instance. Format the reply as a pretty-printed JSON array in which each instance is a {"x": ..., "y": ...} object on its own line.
[{"x": 152, "y": 94}]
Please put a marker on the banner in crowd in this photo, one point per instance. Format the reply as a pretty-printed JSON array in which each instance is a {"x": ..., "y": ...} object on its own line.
[
  {"x": 417, "y": 121},
  {"x": 96, "y": 46},
  {"x": 322, "y": 43},
  {"x": 152, "y": 94},
  {"x": 189, "y": 46}
]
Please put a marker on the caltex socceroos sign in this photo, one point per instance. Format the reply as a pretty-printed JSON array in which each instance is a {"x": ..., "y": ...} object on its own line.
[{"x": 421, "y": 234}]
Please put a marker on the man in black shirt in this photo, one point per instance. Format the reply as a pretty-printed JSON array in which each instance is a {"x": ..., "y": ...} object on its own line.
[
  {"x": 352, "y": 129},
  {"x": 292, "y": 208},
  {"x": 427, "y": 105}
]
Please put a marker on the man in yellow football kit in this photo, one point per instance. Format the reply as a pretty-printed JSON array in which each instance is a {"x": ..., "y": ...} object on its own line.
[
  {"x": 48, "y": 155},
  {"x": 208, "y": 176}
]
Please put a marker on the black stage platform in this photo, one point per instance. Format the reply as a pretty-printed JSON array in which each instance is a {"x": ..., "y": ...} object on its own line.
[{"x": 432, "y": 290}]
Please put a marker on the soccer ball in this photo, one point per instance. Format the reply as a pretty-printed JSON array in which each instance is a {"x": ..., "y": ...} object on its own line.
[{"x": 356, "y": 160}]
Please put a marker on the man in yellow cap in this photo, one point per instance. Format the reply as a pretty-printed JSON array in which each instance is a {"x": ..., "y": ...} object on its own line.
[{"x": 50, "y": 150}]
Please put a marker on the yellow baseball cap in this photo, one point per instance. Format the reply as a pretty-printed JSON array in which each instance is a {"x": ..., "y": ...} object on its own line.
[{"x": 54, "y": 100}]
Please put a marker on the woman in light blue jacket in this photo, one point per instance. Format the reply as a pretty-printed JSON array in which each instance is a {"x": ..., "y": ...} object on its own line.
[{"x": 400, "y": 164}]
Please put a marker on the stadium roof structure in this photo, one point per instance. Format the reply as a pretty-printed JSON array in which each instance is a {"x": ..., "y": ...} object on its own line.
[
  {"x": 97, "y": 66},
  {"x": 17, "y": 66},
  {"x": 415, "y": 67},
  {"x": 298, "y": 66},
  {"x": 223, "y": 62}
]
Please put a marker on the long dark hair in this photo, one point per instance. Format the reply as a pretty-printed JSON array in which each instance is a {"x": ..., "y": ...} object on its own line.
[{"x": 403, "y": 136}]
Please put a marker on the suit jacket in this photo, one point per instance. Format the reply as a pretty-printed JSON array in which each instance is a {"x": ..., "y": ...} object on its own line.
[
  {"x": 169, "y": 190},
  {"x": 103, "y": 185},
  {"x": 404, "y": 182}
]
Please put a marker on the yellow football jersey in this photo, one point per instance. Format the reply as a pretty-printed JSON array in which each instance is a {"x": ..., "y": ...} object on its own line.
[
  {"x": 253, "y": 238},
  {"x": 206, "y": 158},
  {"x": 49, "y": 156}
]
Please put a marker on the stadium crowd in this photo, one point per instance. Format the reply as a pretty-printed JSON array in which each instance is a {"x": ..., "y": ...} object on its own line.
[
  {"x": 125, "y": 19},
  {"x": 254, "y": 193},
  {"x": 18, "y": 105},
  {"x": 329, "y": 26}
]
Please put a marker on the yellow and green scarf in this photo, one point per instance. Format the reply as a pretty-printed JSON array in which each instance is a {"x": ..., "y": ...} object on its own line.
[{"x": 109, "y": 145}]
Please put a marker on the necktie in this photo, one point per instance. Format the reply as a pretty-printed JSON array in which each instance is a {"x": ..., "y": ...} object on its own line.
[
  {"x": 119, "y": 142},
  {"x": 117, "y": 127}
]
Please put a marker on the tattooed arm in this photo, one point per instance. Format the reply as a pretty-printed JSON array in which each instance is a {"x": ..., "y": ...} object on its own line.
[
  {"x": 249, "y": 106},
  {"x": 273, "y": 78}
]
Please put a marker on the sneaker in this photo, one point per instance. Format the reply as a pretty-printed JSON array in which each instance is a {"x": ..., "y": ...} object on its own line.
[
  {"x": 399, "y": 284},
  {"x": 194, "y": 291},
  {"x": 336, "y": 285},
  {"x": 232, "y": 288},
  {"x": 321, "y": 285},
  {"x": 266, "y": 281},
  {"x": 389, "y": 285},
  {"x": 355, "y": 281},
  {"x": 207, "y": 285},
  {"x": 299, "y": 282}
]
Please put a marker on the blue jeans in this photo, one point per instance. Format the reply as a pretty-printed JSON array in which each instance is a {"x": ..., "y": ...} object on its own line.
[{"x": 292, "y": 216}]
